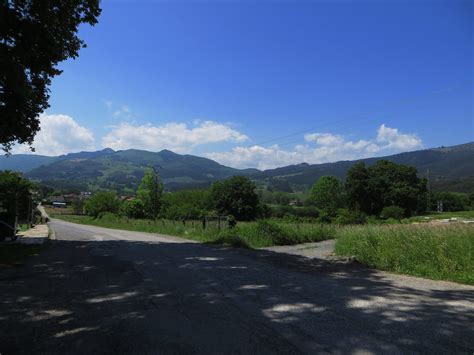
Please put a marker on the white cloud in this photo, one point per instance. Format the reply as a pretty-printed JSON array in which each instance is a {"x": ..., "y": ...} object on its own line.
[
  {"x": 324, "y": 138},
  {"x": 59, "y": 134},
  {"x": 395, "y": 140},
  {"x": 107, "y": 103},
  {"x": 174, "y": 136},
  {"x": 327, "y": 148},
  {"x": 124, "y": 112}
]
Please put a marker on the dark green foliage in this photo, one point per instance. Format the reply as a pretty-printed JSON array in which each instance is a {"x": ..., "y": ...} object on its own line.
[
  {"x": 105, "y": 201},
  {"x": 394, "y": 212},
  {"x": 357, "y": 188},
  {"x": 289, "y": 212},
  {"x": 346, "y": 217},
  {"x": 452, "y": 201},
  {"x": 150, "y": 192},
  {"x": 328, "y": 194},
  {"x": 78, "y": 206},
  {"x": 186, "y": 204},
  {"x": 14, "y": 194},
  {"x": 133, "y": 209},
  {"x": 237, "y": 197},
  {"x": 385, "y": 184},
  {"x": 273, "y": 231},
  {"x": 459, "y": 184},
  {"x": 324, "y": 217},
  {"x": 35, "y": 36}
]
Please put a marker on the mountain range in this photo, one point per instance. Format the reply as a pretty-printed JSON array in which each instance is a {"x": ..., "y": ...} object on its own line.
[{"x": 449, "y": 168}]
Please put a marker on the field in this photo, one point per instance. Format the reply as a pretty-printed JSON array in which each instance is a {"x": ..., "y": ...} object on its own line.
[{"x": 444, "y": 252}]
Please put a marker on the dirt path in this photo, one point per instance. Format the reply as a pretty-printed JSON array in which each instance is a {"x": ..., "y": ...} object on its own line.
[
  {"x": 96, "y": 290},
  {"x": 318, "y": 250}
]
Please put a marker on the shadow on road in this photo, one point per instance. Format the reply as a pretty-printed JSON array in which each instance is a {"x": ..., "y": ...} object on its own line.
[{"x": 138, "y": 297}]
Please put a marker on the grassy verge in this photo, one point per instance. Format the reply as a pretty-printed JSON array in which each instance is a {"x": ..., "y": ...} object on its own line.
[
  {"x": 247, "y": 234},
  {"x": 16, "y": 254},
  {"x": 436, "y": 252}
]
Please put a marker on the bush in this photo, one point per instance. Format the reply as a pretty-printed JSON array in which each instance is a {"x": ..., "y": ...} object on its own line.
[
  {"x": 324, "y": 217},
  {"x": 345, "y": 217},
  {"x": 133, "y": 209},
  {"x": 295, "y": 213},
  {"x": 102, "y": 202},
  {"x": 78, "y": 206},
  {"x": 394, "y": 212},
  {"x": 235, "y": 196},
  {"x": 452, "y": 201},
  {"x": 271, "y": 230}
]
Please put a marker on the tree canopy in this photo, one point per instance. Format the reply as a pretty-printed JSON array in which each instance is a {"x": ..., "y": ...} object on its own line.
[
  {"x": 385, "y": 184},
  {"x": 327, "y": 194},
  {"x": 150, "y": 192},
  {"x": 35, "y": 36},
  {"x": 104, "y": 201},
  {"x": 14, "y": 193},
  {"x": 237, "y": 197}
]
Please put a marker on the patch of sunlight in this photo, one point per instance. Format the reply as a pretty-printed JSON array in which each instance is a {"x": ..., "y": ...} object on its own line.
[
  {"x": 290, "y": 312},
  {"x": 252, "y": 287},
  {"x": 74, "y": 331},
  {"x": 48, "y": 314},
  {"x": 203, "y": 258},
  {"x": 112, "y": 297}
]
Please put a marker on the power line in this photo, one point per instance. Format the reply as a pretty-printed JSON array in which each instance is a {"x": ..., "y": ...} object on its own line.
[{"x": 327, "y": 123}]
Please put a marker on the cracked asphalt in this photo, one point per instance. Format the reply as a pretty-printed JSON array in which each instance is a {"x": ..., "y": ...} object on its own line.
[{"x": 101, "y": 291}]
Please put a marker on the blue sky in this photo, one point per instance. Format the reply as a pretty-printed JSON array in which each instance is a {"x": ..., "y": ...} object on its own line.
[{"x": 268, "y": 83}]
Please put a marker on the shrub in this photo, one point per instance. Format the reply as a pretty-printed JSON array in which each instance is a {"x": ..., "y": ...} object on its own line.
[
  {"x": 394, "y": 212},
  {"x": 102, "y": 202},
  {"x": 78, "y": 206},
  {"x": 324, "y": 217},
  {"x": 345, "y": 217},
  {"x": 452, "y": 201},
  {"x": 328, "y": 194},
  {"x": 133, "y": 209},
  {"x": 271, "y": 230},
  {"x": 235, "y": 196}
]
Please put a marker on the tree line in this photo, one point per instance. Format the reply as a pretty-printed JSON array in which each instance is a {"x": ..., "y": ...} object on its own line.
[{"x": 384, "y": 190}]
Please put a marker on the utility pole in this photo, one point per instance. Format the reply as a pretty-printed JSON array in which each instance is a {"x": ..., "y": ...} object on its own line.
[
  {"x": 17, "y": 196},
  {"x": 155, "y": 192},
  {"x": 428, "y": 194}
]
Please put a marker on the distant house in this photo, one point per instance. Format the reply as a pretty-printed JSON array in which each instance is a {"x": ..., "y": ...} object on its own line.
[
  {"x": 57, "y": 199},
  {"x": 59, "y": 204}
]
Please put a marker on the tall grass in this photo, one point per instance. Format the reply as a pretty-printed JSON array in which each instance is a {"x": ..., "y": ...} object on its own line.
[
  {"x": 249, "y": 234},
  {"x": 433, "y": 251}
]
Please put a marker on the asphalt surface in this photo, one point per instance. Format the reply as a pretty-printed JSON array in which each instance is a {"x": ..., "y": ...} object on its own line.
[{"x": 96, "y": 290}]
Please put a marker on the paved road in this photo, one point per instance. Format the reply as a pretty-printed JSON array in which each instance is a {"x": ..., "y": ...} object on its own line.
[{"x": 97, "y": 290}]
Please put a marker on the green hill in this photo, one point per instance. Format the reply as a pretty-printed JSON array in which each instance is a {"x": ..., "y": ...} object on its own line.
[
  {"x": 446, "y": 166},
  {"x": 123, "y": 170},
  {"x": 450, "y": 169}
]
